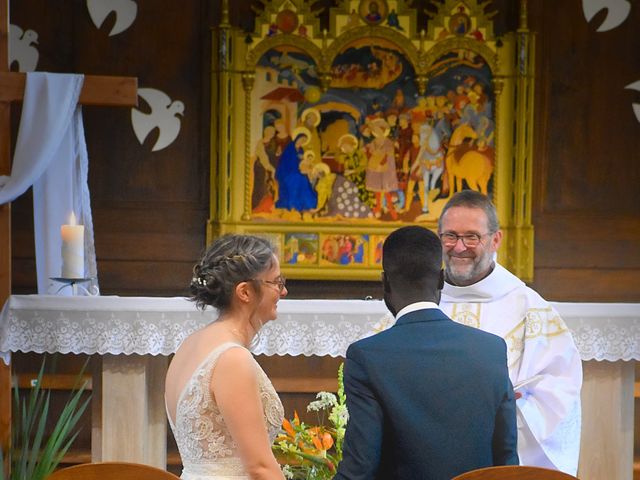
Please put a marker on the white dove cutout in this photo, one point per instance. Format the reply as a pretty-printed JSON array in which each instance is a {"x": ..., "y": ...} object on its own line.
[
  {"x": 21, "y": 49},
  {"x": 163, "y": 116},
  {"x": 617, "y": 12},
  {"x": 636, "y": 106},
  {"x": 126, "y": 11}
]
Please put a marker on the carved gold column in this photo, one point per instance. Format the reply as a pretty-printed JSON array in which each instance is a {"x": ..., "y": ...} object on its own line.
[
  {"x": 422, "y": 81},
  {"x": 248, "y": 79},
  {"x": 498, "y": 88},
  {"x": 325, "y": 80},
  {"x": 221, "y": 110},
  {"x": 523, "y": 240}
]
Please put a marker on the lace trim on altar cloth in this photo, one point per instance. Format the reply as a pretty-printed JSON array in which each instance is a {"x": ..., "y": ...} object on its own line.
[{"x": 144, "y": 326}]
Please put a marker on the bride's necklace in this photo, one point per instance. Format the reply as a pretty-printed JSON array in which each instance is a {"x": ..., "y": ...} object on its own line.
[
  {"x": 242, "y": 334},
  {"x": 236, "y": 333}
]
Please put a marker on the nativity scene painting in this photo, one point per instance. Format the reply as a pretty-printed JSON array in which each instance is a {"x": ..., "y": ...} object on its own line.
[
  {"x": 337, "y": 137},
  {"x": 371, "y": 148}
]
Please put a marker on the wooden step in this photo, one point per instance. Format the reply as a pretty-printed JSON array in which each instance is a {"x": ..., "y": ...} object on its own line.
[{"x": 305, "y": 384}]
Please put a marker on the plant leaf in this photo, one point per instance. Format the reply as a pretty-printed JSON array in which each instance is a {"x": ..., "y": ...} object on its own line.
[{"x": 29, "y": 459}]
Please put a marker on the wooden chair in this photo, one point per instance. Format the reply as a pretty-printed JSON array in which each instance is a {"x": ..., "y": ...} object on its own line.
[
  {"x": 514, "y": 472},
  {"x": 112, "y": 471}
]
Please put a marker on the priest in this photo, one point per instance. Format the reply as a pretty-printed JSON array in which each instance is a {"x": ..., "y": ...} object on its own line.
[{"x": 544, "y": 363}]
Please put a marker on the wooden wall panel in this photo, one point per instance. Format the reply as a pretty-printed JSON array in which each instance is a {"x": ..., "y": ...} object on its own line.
[
  {"x": 149, "y": 208},
  {"x": 586, "y": 208},
  {"x": 590, "y": 134}
]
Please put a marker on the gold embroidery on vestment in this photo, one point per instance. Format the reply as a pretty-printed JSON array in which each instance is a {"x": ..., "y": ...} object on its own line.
[
  {"x": 515, "y": 343},
  {"x": 540, "y": 323},
  {"x": 464, "y": 313}
]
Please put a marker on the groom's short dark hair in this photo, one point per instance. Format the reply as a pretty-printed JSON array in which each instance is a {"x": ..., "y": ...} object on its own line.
[{"x": 412, "y": 256}]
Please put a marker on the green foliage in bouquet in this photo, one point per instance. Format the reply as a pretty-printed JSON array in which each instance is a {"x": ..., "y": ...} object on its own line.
[
  {"x": 313, "y": 452},
  {"x": 32, "y": 456}
]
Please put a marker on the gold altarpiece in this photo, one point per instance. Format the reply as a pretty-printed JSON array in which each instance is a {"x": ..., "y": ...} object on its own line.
[{"x": 327, "y": 140}]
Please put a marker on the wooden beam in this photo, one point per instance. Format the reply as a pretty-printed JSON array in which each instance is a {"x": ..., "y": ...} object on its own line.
[
  {"x": 55, "y": 381},
  {"x": 74, "y": 457},
  {"x": 304, "y": 384},
  {"x": 96, "y": 89}
]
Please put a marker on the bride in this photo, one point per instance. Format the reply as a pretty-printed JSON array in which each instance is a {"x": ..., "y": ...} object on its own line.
[{"x": 222, "y": 408}]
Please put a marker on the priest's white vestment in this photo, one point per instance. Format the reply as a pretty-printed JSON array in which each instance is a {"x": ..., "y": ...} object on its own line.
[{"x": 544, "y": 363}]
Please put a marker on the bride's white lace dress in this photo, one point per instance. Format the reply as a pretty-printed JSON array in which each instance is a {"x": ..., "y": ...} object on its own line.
[{"x": 206, "y": 447}]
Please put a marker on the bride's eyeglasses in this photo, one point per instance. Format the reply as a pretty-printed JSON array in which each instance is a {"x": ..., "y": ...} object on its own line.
[{"x": 280, "y": 283}]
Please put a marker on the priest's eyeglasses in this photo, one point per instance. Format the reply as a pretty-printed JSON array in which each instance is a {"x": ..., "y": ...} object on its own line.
[
  {"x": 280, "y": 283},
  {"x": 469, "y": 240}
]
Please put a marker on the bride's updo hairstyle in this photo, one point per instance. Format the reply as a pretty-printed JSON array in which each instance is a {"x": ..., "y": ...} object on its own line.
[{"x": 229, "y": 260}]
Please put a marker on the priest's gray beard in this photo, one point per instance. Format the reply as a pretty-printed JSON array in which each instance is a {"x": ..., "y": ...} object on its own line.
[{"x": 467, "y": 272}]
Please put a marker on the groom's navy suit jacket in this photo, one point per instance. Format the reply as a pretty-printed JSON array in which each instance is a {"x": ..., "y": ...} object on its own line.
[{"x": 428, "y": 399}]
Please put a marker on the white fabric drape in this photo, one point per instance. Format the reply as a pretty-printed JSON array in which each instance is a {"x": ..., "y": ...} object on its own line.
[{"x": 51, "y": 155}]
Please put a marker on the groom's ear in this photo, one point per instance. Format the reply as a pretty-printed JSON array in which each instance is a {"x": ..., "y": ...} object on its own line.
[{"x": 386, "y": 287}]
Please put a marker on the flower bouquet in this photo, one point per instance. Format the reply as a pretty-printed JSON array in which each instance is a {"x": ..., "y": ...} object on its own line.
[{"x": 313, "y": 452}]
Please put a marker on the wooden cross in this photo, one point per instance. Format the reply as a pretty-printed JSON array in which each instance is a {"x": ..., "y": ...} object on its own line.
[{"x": 96, "y": 90}]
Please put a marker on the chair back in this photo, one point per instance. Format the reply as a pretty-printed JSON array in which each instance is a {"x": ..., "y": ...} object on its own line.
[
  {"x": 112, "y": 471},
  {"x": 515, "y": 472}
]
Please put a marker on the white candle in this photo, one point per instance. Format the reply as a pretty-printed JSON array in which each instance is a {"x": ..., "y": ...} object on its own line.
[{"x": 72, "y": 249}]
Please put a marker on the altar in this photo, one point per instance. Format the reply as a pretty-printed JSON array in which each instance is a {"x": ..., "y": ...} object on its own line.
[{"x": 134, "y": 337}]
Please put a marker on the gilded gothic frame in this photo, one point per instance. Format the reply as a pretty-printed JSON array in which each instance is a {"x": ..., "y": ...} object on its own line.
[{"x": 326, "y": 141}]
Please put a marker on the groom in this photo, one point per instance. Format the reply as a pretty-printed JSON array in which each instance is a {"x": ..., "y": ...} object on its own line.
[{"x": 429, "y": 398}]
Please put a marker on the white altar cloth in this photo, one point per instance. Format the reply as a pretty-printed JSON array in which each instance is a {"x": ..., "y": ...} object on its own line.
[
  {"x": 132, "y": 426},
  {"x": 157, "y": 326}
]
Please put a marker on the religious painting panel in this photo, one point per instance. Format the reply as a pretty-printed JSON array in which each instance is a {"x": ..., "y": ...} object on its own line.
[
  {"x": 373, "y": 11},
  {"x": 300, "y": 249},
  {"x": 332, "y": 139},
  {"x": 288, "y": 146},
  {"x": 459, "y": 108},
  {"x": 344, "y": 249},
  {"x": 375, "y": 250}
]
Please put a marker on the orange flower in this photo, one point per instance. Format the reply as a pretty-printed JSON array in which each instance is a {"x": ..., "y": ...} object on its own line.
[
  {"x": 286, "y": 424},
  {"x": 296, "y": 419},
  {"x": 327, "y": 441},
  {"x": 317, "y": 443}
]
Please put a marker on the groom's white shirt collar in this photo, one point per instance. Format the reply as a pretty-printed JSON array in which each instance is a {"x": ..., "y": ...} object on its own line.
[{"x": 412, "y": 307}]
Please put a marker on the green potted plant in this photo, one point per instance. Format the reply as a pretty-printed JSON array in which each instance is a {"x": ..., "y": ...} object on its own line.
[{"x": 32, "y": 456}]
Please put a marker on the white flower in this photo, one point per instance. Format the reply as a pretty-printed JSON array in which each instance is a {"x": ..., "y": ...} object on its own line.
[
  {"x": 339, "y": 415},
  {"x": 324, "y": 400},
  {"x": 342, "y": 414},
  {"x": 286, "y": 471}
]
